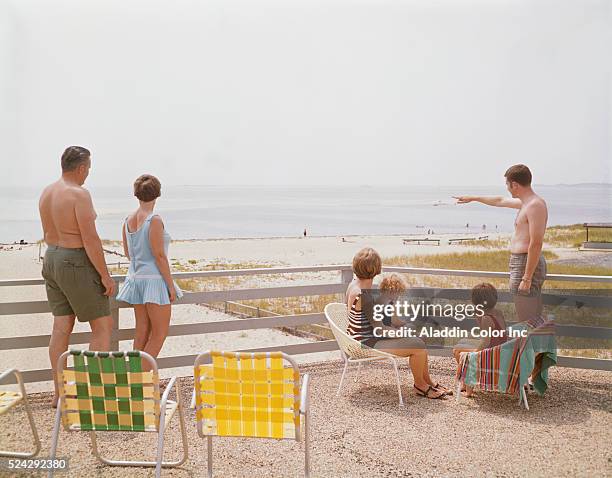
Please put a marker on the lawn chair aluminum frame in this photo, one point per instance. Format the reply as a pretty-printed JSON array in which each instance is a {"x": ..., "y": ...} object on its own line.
[
  {"x": 301, "y": 401},
  {"x": 9, "y": 400},
  {"x": 164, "y": 409},
  {"x": 353, "y": 351}
]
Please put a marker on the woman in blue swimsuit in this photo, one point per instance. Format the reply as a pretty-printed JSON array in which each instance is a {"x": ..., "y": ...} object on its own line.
[{"x": 148, "y": 286}]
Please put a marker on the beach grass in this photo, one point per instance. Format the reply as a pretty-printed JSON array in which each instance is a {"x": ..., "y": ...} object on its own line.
[
  {"x": 112, "y": 242},
  {"x": 496, "y": 260},
  {"x": 212, "y": 283},
  {"x": 570, "y": 236},
  {"x": 497, "y": 243},
  {"x": 574, "y": 235}
]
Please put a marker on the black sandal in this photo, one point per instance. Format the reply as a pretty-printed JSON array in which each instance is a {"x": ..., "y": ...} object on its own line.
[
  {"x": 443, "y": 389},
  {"x": 425, "y": 394}
]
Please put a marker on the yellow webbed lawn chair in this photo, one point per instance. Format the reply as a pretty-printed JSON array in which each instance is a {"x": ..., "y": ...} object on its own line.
[
  {"x": 251, "y": 395},
  {"x": 353, "y": 351},
  {"x": 117, "y": 392},
  {"x": 8, "y": 400}
]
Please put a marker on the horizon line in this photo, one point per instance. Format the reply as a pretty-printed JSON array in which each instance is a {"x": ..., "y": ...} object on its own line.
[
  {"x": 370, "y": 185},
  {"x": 438, "y": 185}
]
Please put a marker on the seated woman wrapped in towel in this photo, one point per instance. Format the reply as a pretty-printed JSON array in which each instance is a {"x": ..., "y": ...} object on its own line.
[{"x": 492, "y": 324}]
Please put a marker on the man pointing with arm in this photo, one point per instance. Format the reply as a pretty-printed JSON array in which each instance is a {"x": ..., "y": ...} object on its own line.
[{"x": 527, "y": 264}]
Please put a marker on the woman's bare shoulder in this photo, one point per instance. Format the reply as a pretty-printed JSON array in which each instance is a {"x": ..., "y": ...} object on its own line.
[
  {"x": 352, "y": 293},
  {"x": 132, "y": 221},
  {"x": 157, "y": 221}
]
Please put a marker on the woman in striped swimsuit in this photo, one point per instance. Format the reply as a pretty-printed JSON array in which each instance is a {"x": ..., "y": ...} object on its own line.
[{"x": 367, "y": 264}]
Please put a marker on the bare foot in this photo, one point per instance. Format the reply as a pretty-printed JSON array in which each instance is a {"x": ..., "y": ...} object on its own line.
[
  {"x": 54, "y": 401},
  {"x": 469, "y": 392}
]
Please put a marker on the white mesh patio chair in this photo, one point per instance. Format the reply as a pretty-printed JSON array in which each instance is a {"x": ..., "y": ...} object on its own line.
[
  {"x": 352, "y": 351},
  {"x": 8, "y": 400}
]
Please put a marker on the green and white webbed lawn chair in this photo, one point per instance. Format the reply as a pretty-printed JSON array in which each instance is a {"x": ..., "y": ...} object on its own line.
[
  {"x": 353, "y": 351},
  {"x": 9, "y": 400},
  {"x": 116, "y": 392},
  {"x": 251, "y": 395}
]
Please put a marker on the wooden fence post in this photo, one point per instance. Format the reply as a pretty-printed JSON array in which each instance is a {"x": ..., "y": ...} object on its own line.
[
  {"x": 346, "y": 276},
  {"x": 115, "y": 334}
]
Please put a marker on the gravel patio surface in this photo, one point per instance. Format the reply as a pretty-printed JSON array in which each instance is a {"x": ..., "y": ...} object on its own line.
[{"x": 364, "y": 433}]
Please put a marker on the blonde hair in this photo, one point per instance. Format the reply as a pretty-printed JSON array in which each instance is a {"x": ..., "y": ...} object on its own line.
[
  {"x": 394, "y": 283},
  {"x": 367, "y": 264}
]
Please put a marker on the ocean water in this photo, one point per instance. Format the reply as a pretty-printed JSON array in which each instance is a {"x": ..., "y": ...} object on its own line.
[{"x": 199, "y": 212}]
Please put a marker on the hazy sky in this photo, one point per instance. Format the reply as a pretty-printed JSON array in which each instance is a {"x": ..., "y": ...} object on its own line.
[{"x": 307, "y": 92}]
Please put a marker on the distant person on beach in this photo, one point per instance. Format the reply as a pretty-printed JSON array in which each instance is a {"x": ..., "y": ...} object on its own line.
[
  {"x": 527, "y": 263},
  {"x": 484, "y": 295},
  {"x": 367, "y": 264},
  {"x": 148, "y": 286},
  {"x": 304, "y": 232},
  {"x": 76, "y": 278}
]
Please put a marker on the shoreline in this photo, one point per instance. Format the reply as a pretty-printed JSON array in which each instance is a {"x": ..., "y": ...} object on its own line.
[
  {"x": 326, "y": 236},
  {"x": 460, "y": 231},
  {"x": 309, "y": 236}
]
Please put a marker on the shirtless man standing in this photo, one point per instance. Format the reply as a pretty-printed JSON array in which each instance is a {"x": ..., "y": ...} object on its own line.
[
  {"x": 527, "y": 264},
  {"x": 76, "y": 278}
]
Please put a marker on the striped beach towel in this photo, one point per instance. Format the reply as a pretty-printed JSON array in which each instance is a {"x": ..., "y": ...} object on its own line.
[{"x": 507, "y": 367}]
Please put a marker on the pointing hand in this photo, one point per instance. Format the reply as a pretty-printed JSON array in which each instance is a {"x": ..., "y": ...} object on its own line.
[{"x": 463, "y": 199}]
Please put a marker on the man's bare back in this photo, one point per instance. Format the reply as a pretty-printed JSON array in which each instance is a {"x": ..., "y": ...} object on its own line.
[
  {"x": 533, "y": 211},
  {"x": 57, "y": 206},
  {"x": 77, "y": 281}
]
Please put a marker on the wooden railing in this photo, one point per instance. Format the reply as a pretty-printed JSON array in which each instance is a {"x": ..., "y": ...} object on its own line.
[{"x": 338, "y": 287}]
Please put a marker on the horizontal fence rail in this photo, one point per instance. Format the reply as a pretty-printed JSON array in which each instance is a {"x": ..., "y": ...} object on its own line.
[{"x": 345, "y": 273}]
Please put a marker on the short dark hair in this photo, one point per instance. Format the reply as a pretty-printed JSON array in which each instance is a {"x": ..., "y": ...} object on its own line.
[
  {"x": 147, "y": 188},
  {"x": 519, "y": 173},
  {"x": 73, "y": 157},
  {"x": 484, "y": 294}
]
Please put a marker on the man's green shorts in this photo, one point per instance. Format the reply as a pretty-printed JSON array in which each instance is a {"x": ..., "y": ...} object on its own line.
[{"x": 73, "y": 284}]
